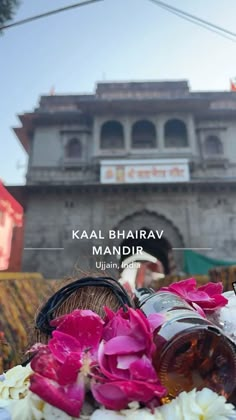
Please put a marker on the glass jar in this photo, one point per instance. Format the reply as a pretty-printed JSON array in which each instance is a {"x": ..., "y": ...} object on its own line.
[{"x": 191, "y": 352}]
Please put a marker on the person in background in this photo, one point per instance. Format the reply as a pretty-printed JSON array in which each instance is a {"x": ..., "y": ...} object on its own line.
[{"x": 147, "y": 269}]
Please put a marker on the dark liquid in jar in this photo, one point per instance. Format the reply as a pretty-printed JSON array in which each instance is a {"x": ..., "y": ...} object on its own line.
[{"x": 191, "y": 351}]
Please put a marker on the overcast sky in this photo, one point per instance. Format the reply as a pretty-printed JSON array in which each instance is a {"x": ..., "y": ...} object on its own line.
[{"x": 111, "y": 40}]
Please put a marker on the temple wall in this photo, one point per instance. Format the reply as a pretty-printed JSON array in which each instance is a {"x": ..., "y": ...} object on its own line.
[{"x": 189, "y": 219}]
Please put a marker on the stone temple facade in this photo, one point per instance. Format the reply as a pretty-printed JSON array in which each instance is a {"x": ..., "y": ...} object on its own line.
[{"x": 130, "y": 155}]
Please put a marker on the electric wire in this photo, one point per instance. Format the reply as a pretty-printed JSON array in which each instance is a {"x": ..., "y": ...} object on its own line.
[
  {"x": 46, "y": 14},
  {"x": 225, "y": 33}
]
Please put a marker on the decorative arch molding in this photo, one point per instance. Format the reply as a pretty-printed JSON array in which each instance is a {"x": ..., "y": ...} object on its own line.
[{"x": 154, "y": 221}]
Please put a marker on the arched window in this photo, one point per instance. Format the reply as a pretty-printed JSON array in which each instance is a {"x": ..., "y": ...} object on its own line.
[
  {"x": 176, "y": 134},
  {"x": 213, "y": 146},
  {"x": 112, "y": 135},
  {"x": 144, "y": 135},
  {"x": 74, "y": 148}
]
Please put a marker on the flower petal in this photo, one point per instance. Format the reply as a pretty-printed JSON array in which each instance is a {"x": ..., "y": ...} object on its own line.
[
  {"x": 155, "y": 320},
  {"x": 117, "y": 395},
  {"x": 45, "y": 364},
  {"x": 143, "y": 370},
  {"x": 123, "y": 345},
  {"x": 61, "y": 345},
  {"x": 208, "y": 297},
  {"x": 212, "y": 288},
  {"x": 84, "y": 325},
  {"x": 69, "y": 370},
  {"x": 108, "y": 365},
  {"x": 110, "y": 395},
  {"x": 69, "y": 399},
  {"x": 124, "y": 361},
  {"x": 199, "y": 309}
]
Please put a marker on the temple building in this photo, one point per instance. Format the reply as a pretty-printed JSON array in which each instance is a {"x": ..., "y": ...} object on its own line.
[{"x": 130, "y": 155}]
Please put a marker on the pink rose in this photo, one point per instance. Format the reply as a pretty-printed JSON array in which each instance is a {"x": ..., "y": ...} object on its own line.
[
  {"x": 125, "y": 360},
  {"x": 61, "y": 366},
  {"x": 118, "y": 394},
  {"x": 208, "y": 297}
]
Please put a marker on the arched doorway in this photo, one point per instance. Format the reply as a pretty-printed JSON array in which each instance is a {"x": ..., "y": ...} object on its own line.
[{"x": 171, "y": 236}]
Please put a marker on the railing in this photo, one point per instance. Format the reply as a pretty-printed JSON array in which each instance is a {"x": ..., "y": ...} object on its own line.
[{"x": 63, "y": 175}]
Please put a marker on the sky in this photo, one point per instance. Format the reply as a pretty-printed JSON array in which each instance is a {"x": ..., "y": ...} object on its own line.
[{"x": 112, "y": 40}]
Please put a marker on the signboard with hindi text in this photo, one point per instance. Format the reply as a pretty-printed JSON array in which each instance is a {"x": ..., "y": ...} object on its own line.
[{"x": 144, "y": 170}]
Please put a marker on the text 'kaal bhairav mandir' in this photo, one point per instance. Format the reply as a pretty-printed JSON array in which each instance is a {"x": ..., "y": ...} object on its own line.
[{"x": 134, "y": 155}]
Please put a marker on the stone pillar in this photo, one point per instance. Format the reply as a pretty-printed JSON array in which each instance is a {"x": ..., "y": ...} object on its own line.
[
  {"x": 191, "y": 135},
  {"x": 127, "y": 125},
  {"x": 160, "y": 124},
  {"x": 96, "y": 136}
]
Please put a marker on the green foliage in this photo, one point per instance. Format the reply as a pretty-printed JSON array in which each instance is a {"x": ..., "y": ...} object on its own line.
[{"x": 7, "y": 10}]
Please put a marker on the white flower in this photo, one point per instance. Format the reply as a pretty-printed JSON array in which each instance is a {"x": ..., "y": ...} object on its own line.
[
  {"x": 199, "y": 405},
  {"x": 103, "y": 414},
  {"x": 132, "y": 413},
  {"x": 173, "y": 412},
  {"x": 53, "y": 413},
  {"x": 145, "y": 414},
  {"x": 28, "y": 408},
  {"x": 225, "y": 317},
  {"x": 16, "y": 383},
  {"x": 33, "y": 408}
]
